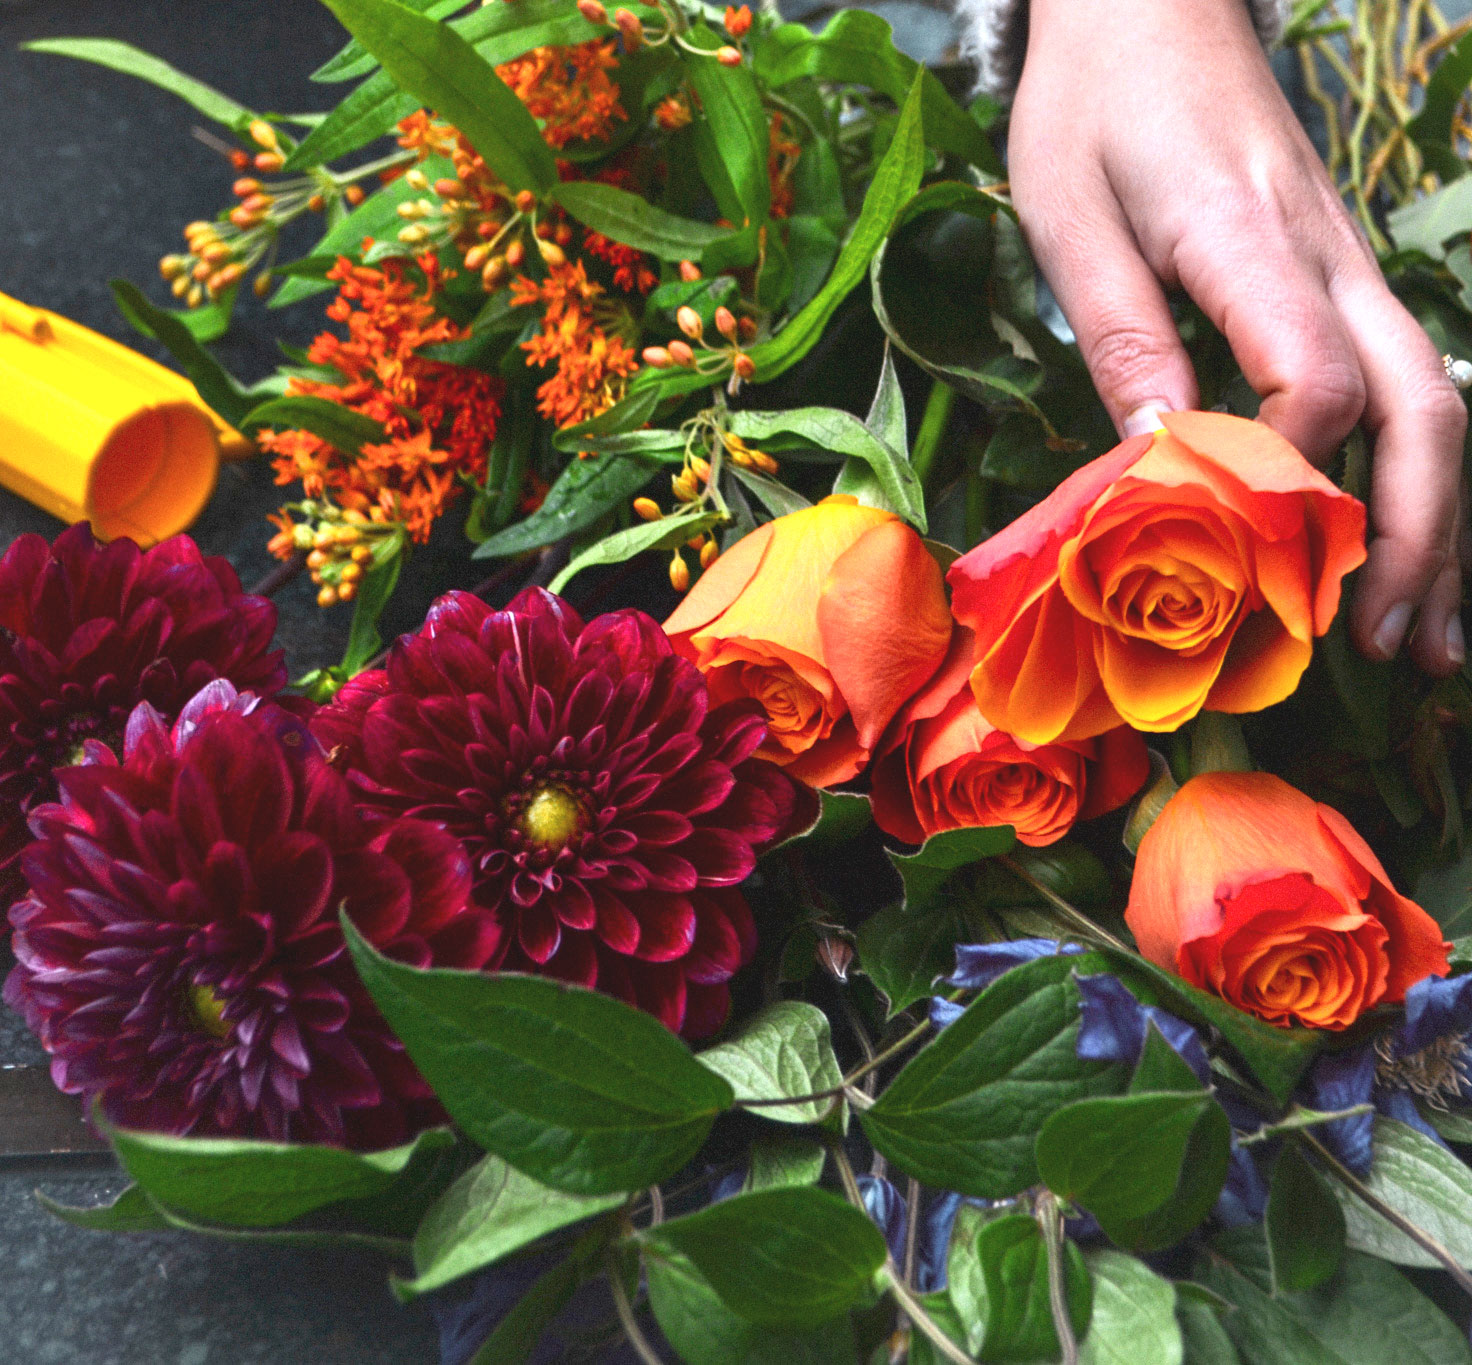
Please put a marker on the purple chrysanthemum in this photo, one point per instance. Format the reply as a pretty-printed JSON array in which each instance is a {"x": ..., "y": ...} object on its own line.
[
  {"x": 88, "y": 631},
  {"x": 609, "y": 811},
  {"x": 180, "y": 956}
]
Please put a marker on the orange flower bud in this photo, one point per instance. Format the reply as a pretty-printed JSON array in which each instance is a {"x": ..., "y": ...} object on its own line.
[
  {"x": 738, "y": 21},
  {"x": 245, "y": 187},
  {"x": 629, "y": 29},
  {"x": 553, "y": 254},
  {"x": 516, "y": 254},
  {"x": 263, "y": 135},
  {"x": 658, "y": 356},
  {"x": 679, "y": 573},
  {"x": 690, "y": 323},
  {"x": 648, "y": 509},
  {"x": 316, "y": 559},
  {"x": 526, "y": 201},
  {"x": 346, "y": 592},
  {"x": 545, "y": 230},
  {"x": 562, "y": 235},
  {"x": 709, "y": 553},
  {"x": 354, "y": 195},
  {"x": 495, "y": 271},
  {"x": 202, "y": 270},
  {"x": 269, "y": 162},
  {"x": 701, "y": 468},
  {"x": 728, "y": 56},
  {"x": 216, "y": 252},
  {"x": 242, "y": 217},
  {"x": 726, "y": 323},
  {"x": 682, "y": 355},
  {"x": 259, "y": 203},
  {"x": 746, "y": 328},
  {"x": 689, "y": 272},
  {"x": 682, "y": 485},
  {"x": 592, "y": 11},
  {"x": 764, "y": 462},
  {"x": 316, "y": 203},
  {"x": 744, "y": 365},
  {"x": 239, "y": 159}
]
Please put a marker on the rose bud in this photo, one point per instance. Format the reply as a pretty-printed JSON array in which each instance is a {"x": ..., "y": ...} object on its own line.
[
  {"x": 829, "y": 618},
  {"x": 1257, "y": 893},
  {"x": 1184, "y": 570},
  {"x": 942, "y": 766}
]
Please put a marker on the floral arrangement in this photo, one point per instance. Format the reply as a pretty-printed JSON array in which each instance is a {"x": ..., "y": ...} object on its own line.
[{"x": 993, "y": 916}]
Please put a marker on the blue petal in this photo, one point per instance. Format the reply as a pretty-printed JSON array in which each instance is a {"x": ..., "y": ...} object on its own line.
[
  {"x": 1244, "y": 1197},
  {"x": 979, "y": 964},
  {"x": 933, "y": 1242},
  {"x": 1341, "y": 1080},
  {"x": 943, "y": 1011},
  {"x": 1399, "y": 1104},
  {"x": 1113, "y": 1026},
  {"x": 732, "y": 1183},
  {"x": 886, "y": 1206},
  {"x": 1435, "y": 1007}
]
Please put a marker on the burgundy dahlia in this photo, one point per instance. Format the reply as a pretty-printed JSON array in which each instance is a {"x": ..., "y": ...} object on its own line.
[
  {"x": 180, "y": 956},
  {"x": 609, "y": 811},
  {"x": 87, "y": 631}
]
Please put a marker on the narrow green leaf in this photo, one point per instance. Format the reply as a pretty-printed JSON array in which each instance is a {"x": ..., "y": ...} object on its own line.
[
  {"x": 373, "y": 595},
  {"x": 1304, "y": 1223},
  {"x": 631, "y": 219},
  {"x": 782, "y": 1052},
  {"x": 517, "y": 1334},
  {"x": 667, "y": 534},
  {"x": 132, "y": 61},
  {"x": 1134, "y": 1318},
  {"x": 731, "y": 108},
  {"x": 354, "y": 60},
  {"x": 817, "y": 1257},
  {"x": 629, "y": 413},
  {"x": 575, "y": 1089},
  {"x": 368, "y": 112},
  {"x": 433, "y": 63},
  {"x": 342, "y": 428},
  {"x": 886, "y": 417},
  {"x": 925, "y": 872},
  {"x": 773, "y": 494},
  {"x": 1431, "y": 129},
  {"x": 131, "y": 1211}
]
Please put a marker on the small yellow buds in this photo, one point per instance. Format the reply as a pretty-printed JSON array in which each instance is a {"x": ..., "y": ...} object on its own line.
[
  {"x": 658, "y": 356},
  {"x": 629, "y": 29},
  {"x": 709, "y": 553},
  {"x": 689, "y": 322},
  {"x": 171, "y": 267},
  {"x": 263, "y": 135},
  {"x": 689, "y": 272},
  {"x": 728, "y": 56},
  {"x": 346, "y": 591},
  {"x": 701, "y": 468},
  {"x": 679, "y": 573},
  {"x": 592, "y": 11},
  {"x": 327, "y": 596},
  {"x": 682, "y": 485},
  {"x": 494, "y": 272},
  {"x": 726, "y": 323},
  {"x": 647, "y": 509},
  {"x": 682, "y": 355},
  {"x": 414, "y": 235},
  {"x": 416, "y": 179},
  {"x": 261, "y": 285},
  {"x": 553, "y": 254},
  {"x": 477, "y": 256}
]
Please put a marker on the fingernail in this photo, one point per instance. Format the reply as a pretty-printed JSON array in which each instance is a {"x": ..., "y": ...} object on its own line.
[
  {"x": 1391, "y": 630},
  {"x": 1145, "y": 418},
  {"x": 1456, "y": 643}
]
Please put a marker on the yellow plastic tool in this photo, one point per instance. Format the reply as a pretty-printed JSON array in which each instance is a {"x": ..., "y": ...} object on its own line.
[{"x": 90, "y": 430}]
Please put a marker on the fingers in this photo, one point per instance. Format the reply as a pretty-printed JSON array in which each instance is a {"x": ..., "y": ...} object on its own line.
[
  {"x": 1418, "y": 421},
  {"x": 1117, "y": 309}
]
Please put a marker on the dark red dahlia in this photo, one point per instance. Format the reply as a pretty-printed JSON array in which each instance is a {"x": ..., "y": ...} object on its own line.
[
  {"x": 88, "y": 631},
  {"x": 180, "y": 955},
  {"x": 610, "y": 813}
]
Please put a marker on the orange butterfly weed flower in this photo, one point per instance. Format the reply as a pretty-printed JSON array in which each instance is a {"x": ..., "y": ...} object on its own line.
[
  {"x": 569, "y": 90},
  {"x": 439, "y": 419},
  {"x": 783, "y": 151}
]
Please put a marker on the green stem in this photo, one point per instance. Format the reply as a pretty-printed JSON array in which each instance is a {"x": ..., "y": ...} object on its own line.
[
  {"x": 627, "y": 1320},
  {"x": 1050, "y": 1219},
  {"x": 932, "y": 429},
  {"x": 1085, "y": 926}
]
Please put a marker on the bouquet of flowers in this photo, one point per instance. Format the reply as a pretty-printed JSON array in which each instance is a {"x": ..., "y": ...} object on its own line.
[{"x": 993, "y": 917}]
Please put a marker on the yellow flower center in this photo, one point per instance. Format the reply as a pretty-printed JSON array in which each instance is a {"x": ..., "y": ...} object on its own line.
[
  {"x": 553, "y": 818},
  {"x": 209, "y": 1011}
]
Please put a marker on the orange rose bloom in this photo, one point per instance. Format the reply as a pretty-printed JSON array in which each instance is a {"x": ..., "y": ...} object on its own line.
[
  {"x": 942, "y": 766},
  {"x": 1183, "y": 570},
  {"x": 1261, "y": 895},
  {"x": 829, "y": 618}
]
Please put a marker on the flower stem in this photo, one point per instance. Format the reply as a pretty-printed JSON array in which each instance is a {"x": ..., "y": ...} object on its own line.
[
  {"x": 1050, "y": 1219},
  {"x": 1085, "y": 926},
  {"x": 627, "y": 1320},
  {"x": 932, "y": 429}
]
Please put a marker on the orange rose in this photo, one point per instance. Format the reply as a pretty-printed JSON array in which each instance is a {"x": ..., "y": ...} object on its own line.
[
  {"x": 829, "y": 618},
  {"x": 1184, "y": 570},
  {"x": 942, "y": 766},
  {"x": 1261, "y": 895}
]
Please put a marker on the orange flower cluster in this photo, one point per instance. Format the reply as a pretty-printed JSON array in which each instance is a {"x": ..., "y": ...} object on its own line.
[
  {"x": 569, "y": 90},
  {"x": 581, "y": 336},
  {"x": 783, "y": 150},
  {"x": 440, "y": 419}
]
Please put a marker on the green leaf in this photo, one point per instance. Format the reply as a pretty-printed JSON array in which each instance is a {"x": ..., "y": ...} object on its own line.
[
  {"x": 131, "y": 1211},
  {"x": 583, "y": 492},
  {"x": 131, "y": 61},
  {"x": 964, "y": 1113},
  {"x": 1425, "y": 1183},
  {"x": 925, "y": 872},
  {"x": 903, "y": 953},
  {"x": 784, "y": 1051},
  {"x": 817, "y": 1257},
  {"x": 1134, "y": 1315},
  {"x": 1427, "y": 224},
  {"x": 774, "y": 495},
  {"x": 942, "y": 1311},
  {"x": 1367, "y": 1315},
  {"x": 886, "y": 417},
  {"x": 667, "y": 534},
  {"x": 704, "y": 1331},
  {"x": 354, "y": 60},
  {"x": 342, "y": 428},
  {"x": 1205, "y": 1339},
  {"x": 832, "y": 429},
  {"x": 1304, "y": 1223},
  {"x": 577, "y": 1090},
  {"x": 886, "y": 423},
  {"x": 1431, "y": 129},
  {"x": 1445, "y": 893},
  {"x": 433, "y": 63},
  {"x": 1276, "y": 1056},
  {"x": 367, "y": 113},
  {"x": 632, "y": 220},
  {"x": 731, "y": 108},
  {"x": 243, "y": 1183},
  {"x": 857, "y": 47},
  {"x": 373, "y": 595},
  {"x": 491, "y": 1211},
  {"x": 627, "y": 414},
  {"x": 777, "y": 1162},
  {"x": 217, "y": 387}
]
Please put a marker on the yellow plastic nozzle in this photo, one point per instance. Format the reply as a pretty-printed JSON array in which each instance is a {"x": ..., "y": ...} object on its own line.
[{"x": 90, "y": 430}]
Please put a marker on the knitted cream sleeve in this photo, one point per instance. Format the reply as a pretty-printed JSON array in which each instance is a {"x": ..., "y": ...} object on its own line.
[{"x": 994, "y": 36}]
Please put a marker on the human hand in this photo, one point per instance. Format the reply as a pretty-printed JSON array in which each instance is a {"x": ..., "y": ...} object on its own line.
[{"x": 1150, "y": 147}]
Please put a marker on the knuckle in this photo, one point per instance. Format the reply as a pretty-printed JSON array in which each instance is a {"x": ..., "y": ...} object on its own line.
[
  {"x": 1440, "y": 409},
  {"x": 1329, "y": 394},
  {"x": 1126, "y": 359}
]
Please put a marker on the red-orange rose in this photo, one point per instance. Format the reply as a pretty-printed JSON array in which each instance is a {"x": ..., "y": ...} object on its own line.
[
  {"x": 1261, "y": 895},
  {"x": 1183, "y": 570},
  {"x": 942, "y": 766},
  {"x": 830, "y": 619}
]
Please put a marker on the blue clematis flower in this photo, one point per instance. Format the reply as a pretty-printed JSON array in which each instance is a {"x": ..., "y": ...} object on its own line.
[
  {"x": 1113, "y": 1026},
  {"x": 979, "y": 964},
  {"x": 1428, "y": 1056}
]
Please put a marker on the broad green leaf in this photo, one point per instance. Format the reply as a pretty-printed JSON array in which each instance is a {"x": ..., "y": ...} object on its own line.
[
  {"x": 631, "y": 219},
  {"x": 1367, "y": 1315},
  {"x": 354, "y": 60},
  {"x": 432, "y": 62},
  {"x": 731, "y": 108},
  {"x": 1205, "y": 1339},
  {"x": 583, "y": 492},
  {"x": 1134, "y": 1318},
  {"x": 577, "y": 1090},
  {"x": 239, "y": 1182},
  {"x": 374, "y": 591},
  {"x": 964, "y": 1113},
  {"x": 832, "y": 429},
  {"x": 1445, "y": 893},
  {"x": 219, "y": 389},
  {"x": 903, "y": 953},
  {"x": 491, "y": 1211},
  {"x": 704, "y": 1331},
  {"x": 1427, "y": 224},
  {"x": 131, "y": 61},
  {"x": 1304, "y": 1224},
  {"x": 784, "y": 1051},
  {"x": 342, "y": 428},
  {"x": 857, "y": 47},
  {"x": 131, "y": 1211},
  {"x": 817, "y": 1254},
  {"x": 1423, "y": 1182},
  {"x": 784, "y": 1160},
  {"x": 667, "y": 534},
  {"x": 925, "y": 872}
]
